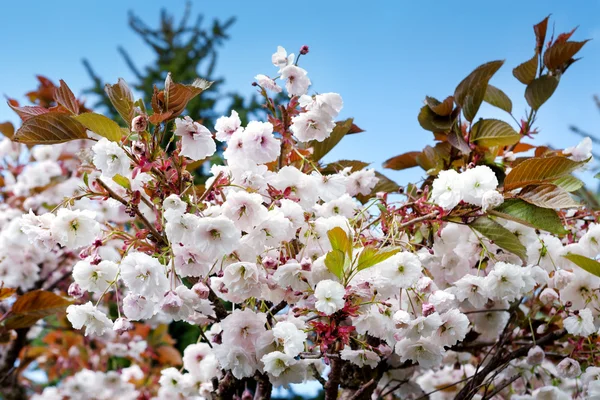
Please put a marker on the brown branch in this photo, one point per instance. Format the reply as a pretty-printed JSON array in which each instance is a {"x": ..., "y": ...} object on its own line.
[
  {"x": 419, "y": 219},
  {"x": 333, "y": 380}
]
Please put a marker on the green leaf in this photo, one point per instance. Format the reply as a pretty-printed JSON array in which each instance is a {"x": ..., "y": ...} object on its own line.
[
  {"x": 85, "y": 179},
  {"x": 540, "y": 170},
  {"x": 334, "y": 261},
  {"x": 501, "y": 236},
  {"x": 403, "y": 161},
  {"x": 320, "y": 149},
  {"x": 531, "y": 215},
  {"x": 50, "y": 128},
  {"x": 340, "y": 241},
  {"x": 497, "y": 98},
  {"x": 470, "y": 92},
  {"x": 122, "y": 181},
  {"x": 493, "y": 132},
  {"x": 540, "y": 90},
  {"x": 526, "y": 72},
  {"x": 121, "y": 98},
  {"x": 569, "y": 183},
  {"x": 33, "y": 306},
  {"x": 370, "y": 256},
  {"x": 560, "y": 53},
  {"x": 548, "y": 196},
  {"x": 591, "y": 266},
  {"x": 101, "y": 125}
]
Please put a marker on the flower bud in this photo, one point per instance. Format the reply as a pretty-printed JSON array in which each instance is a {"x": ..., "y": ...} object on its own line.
[
  {"x": 269, "y": 262},
  {"x": 171, "y": 303},
  {"x": 75, "y": 291},
  {"x": 201, "y": 290},
  {"x": 122, "y": 325},
  {"x": 548, "y": 296},
  {"x": 427, "y": 309},
  {"x": 304, "y": 50},
  {"x": 139, "y": 123},
  {"x": 535, "y": 356},
  {"x": 306, "y": 264},
  {"x": 138, "y": 148}
]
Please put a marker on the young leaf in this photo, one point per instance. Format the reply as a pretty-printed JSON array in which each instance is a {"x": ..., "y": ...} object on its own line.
[
  {"x": 540, "y": 170},
  {"x": 569, "y": 183},
  {"x": 340, "y": 241},
  {"x": 443, "y": 108},
  {"x": 370, "y": 256},
  {"x": 493, "y": 132},
  {"x": 334, "y": 261},
  {"x": 339, "y": 165},
  {"x": 403, "y": 161},
  {"x": 27, "y": 112},
  {"x": 456, "y": 139},
  {"x": 121, "y": 98},
  {"x": 540, "y": 90},
  {"x": 33, "y": 306},
  {"x": 5, "y": 293},
  {"x": 177, "y": 95},
  {"x": 65, "y": 97},
  {"x": 560, "y": 53},
  {"x": 501, "y": 236},
  {"x": 531, "y": 215},
  {"x": 497, "y": 98},
  {"x": 470, "y": 92},
  {"x": 591, "y": 266},
  {"x": 50, "y": 128},
  {"x": 526, "y": 72},
  {"x": 540, "y": 34},
  {"x": 7, "y": 129},
  {"x": 101, "y": 125},
  {"x": 122, "y": 181},
  {"x": 320, "y": 149},
  {"x": 430, "y": 121},
  {"x": 548, "y": 196}
]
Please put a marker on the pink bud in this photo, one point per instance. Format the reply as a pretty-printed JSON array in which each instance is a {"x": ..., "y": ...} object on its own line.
[
  {"x": 139, "y": 123},
  {"x": 304, "y": 50},
  {"x": 427, "y": 309},
  {"x": 201, "y": 290},
  {"x": 269, "y": 262},
  {"x": 75, "y": 290},
  {"x": 138, "y": 148}
]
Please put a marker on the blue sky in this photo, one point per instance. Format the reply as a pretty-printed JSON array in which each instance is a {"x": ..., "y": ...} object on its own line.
[{"x": 383, "y": 57}]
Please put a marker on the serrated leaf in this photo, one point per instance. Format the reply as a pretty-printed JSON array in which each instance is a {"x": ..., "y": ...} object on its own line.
[
  {"x": 591, "y": 266},
  {"x": 334, "y": 261},
  {"x": 339, "y": 165},
  {"x": 559, "y": 54},
  {"x": 501, "y": 236},
  {"x": 456, "y": 139},
  {"x": 122, "y": 181},
  {"x": 27, "y": 112},
  {"x": 548, "y": 196},
  {"x": 430, "y": 121},
  {"x": 531, "y": 215},
  {"x": 33, "y": 306},
  {"x": 526, "y": 72},
  {"x": 340, "y": 241},
  {"x": 101, "y": 125},
  {"x": 470, "y": 91},
  {"x": 443, "y": 108},
  {"x": 402, "y": 161},
  {"x": 371, "y": 256},
  {"x": 540, "y": 90},
  {"x": 493, "y": 132},
  {"x": 430, "y": 160},
  {"x": 569, "y": 183},
  {"x": 177, "y": 95},
  {"x": 540, "y": 33},
  {"x": 121, "y": 98},
  {"x": 540, "y": 170},
  {"x": 50, "y": 128},
  {"x": 7, "y": 129},
  {"x": 65, "y": 97},
  {"x": 320, "y": 149},
  {"x": 498, "y": 98}
]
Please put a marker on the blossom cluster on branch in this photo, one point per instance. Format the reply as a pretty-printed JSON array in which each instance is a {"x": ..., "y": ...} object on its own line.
[{"x": 481, "y": 283}]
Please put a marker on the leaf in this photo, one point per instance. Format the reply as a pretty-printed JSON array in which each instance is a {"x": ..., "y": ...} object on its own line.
[
  {"x": 177, "y": 95},
  {"x": 169, "y": 355},
  {"x": 526, "y": 72},
  {"x": 340, "y": 241},
  {"x": 559, "y": 54},
  {"x": 122, "y": 181},
  {"x": 339, "y": 165},
  {"x": 334, "y": 261},
  {"x": 101, "y": 125},
  {"x": 33, "y": 306},
  {"x": 501, "y": 236},
  {"x": 540, "y": 90},
  {"x": 498, "y": 98},
  {"x": 5, "y": 293},
  {"x": 540, "y": 34},
  {"x": 403, "y": 161},
  {"x": 456, "y": 139},
  {"x": 548, "y": 196},
  {"x": 50, "y": 128},
  {"x": 320, "y": 149},
  {"x": 7, "y": 129},
  {"x": 430, "y": 160},
  {"x": 591, "y": 266},
  {"x": 522, "y": 147},
  {"x": 493, "y": 132},
  {"x": 531, "y": 215},
  {"x": 65, "y": 97},
  {"x": 470, "y": 92},
  {"x": 121, "y": 98},
  {"x": 539, "y": 170},
  {"x": 430, "y": 121},
  {"x": 371, "y": 256},
  {"x": 569, "y": 183},
  {"x": 443, "y": 108},
  {"x": 27, "y": 112}
]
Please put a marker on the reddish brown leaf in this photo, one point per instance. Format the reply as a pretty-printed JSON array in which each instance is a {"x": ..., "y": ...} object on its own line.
[
  {"x": 7, "y": 129},
  {"x": 33, "y": 306},
  {"x": 443, "y": 108},
  {"x": 354, "y": 129},
  {"x": 539, "y": 170},
  {"x": 5, "y": 293},
  {"x": 470, "y": 92},
  {"x": 526, "y": 72},
  {"x": 540, "y": 34},
  {"x": 563, "y": 37},
  {"x": 121, "y": 98},
  {"x": 65, "y": 97},
  {"x": 522, "y": 147},
  {"x": 403, "y": 161},
  {"x": 27, "y": 112},
  {"x": 177, "y": 95},
  {"x": 559, "y": 54},
  {"x": 169, "y": 355},
  {"x": 50, "y": 128}
]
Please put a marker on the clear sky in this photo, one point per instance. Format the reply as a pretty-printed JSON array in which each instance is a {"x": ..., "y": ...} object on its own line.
[{"x": 383, "y": 57}]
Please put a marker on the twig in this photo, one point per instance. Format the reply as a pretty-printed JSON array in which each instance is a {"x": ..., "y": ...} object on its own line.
[
  {"x": 499, "y": 389},
  {"x": 317, "y": 375},
  {"x": 419, "y": 219}
]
